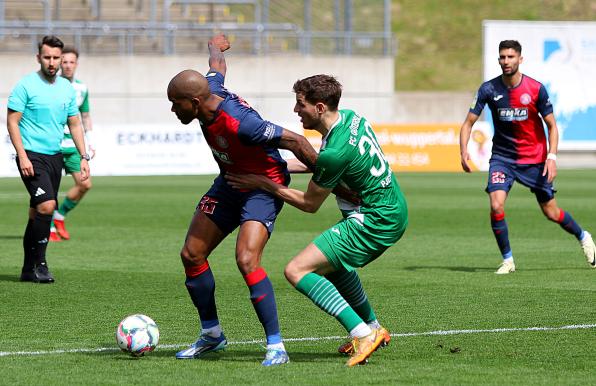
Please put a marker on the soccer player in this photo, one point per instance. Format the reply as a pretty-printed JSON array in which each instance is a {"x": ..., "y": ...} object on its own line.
[
  {"x": 241, "y": 142},
  {"x": 520, "y": 152},
  {"x": 72, "y": 158},
  {"x": 325, "y": 271},
  {"x": 38, "y": 108}
]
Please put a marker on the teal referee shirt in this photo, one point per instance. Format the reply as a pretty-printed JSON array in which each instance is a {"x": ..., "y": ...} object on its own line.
[{"x": 45, "y": 107}]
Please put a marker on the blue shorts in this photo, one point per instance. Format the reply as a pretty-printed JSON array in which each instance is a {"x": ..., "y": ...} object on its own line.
[
  {"x": 228, "y": 207},
  {"x": 502, "y": 174}
]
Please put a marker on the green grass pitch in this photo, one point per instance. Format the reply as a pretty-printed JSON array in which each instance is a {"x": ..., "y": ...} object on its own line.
[{"x": 123, "y": 259}]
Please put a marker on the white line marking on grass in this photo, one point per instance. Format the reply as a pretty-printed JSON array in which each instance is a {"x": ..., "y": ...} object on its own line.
[{"x": 308, "y": 339}]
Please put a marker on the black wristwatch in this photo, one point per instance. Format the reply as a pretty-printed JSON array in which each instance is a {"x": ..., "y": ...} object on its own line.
[{"x": 85, "y": 157}]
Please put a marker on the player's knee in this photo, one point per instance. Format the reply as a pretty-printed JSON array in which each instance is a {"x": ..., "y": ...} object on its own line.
[
  {"x": 85, "y": 186},
  {"x": 292, "y": 274},
  {"x": 46, "y": 207},
  {"x": 247, "y": 262},
  {"x": 552, "y": 215},
  {"x": 497, "y": 208},
  {"x": 190, "y": 258}
]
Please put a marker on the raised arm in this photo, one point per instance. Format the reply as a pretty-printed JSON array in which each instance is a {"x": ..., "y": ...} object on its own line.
[
  {"x": 464, "y": 138},
  {"x": 217, "y": 45}
]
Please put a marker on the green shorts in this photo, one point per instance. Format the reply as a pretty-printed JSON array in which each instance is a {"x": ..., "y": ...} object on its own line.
[
  {"x": 72, "y": 161},
  {"x": 351, "y": 245}
]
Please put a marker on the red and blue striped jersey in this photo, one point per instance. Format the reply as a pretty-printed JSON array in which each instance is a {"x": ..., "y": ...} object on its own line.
[
  {"x": 240, "y": 140},
  {"x": 519, "y": 132}
]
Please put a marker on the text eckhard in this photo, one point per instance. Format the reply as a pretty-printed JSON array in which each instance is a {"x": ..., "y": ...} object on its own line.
[{"x": 159, "y": 138}]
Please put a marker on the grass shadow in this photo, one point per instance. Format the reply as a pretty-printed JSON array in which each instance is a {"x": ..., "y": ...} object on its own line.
[
  {"x": 11, "y": 237},
  {"x": 455, "y": 269},
  {"x": 236, "y": 356},
  {"x": 13, "y": 278},
  {"x": 486, "y": 269}
]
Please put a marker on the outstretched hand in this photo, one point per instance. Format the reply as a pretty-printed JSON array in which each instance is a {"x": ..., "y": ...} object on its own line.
[{"x": 220, "y": 41}]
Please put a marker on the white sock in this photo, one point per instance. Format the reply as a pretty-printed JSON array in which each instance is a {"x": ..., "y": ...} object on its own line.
[
  {"x": 58, "y": 216},
  {"x": 360, "y": 331},
  {"x": 374, "y": 324},
  {"x": 214, "y": 332},
  {"x": 508, "y": 260},
  {"x": 276, "y": 346}
]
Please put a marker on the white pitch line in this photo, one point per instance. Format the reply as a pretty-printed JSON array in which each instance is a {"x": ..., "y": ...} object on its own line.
[{"x": 307, "y": 339}]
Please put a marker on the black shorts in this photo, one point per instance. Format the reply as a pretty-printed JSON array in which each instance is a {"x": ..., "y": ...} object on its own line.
[{"x": 44, "y": 184}]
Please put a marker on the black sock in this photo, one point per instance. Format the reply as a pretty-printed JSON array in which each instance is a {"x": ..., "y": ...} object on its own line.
[
  {"x": 28, "y": 247},
  {"x": 40, "y": 234}
]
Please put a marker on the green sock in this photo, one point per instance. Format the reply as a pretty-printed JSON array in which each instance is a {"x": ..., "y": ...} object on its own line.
[
  {"x": 66, "y": 206},
  {"x": 326, "y": 297},
  {"x": 349, "y": 286}
]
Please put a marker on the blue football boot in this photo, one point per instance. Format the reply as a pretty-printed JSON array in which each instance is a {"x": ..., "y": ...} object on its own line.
[
  {"x": 203, "y": 345},
  {"x": 275, "y": 357}
]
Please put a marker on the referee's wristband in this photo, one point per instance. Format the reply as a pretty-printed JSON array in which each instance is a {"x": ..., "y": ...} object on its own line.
[{"x": 552, "y": 156}]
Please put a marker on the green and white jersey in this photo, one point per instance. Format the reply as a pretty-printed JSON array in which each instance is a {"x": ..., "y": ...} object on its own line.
[
  {"x": 82, "y": 96},
  {"x": 350, "y": 155}
]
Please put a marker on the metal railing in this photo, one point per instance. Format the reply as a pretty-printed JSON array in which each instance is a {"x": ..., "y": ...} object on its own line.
[{"x": 167, "y": 37}]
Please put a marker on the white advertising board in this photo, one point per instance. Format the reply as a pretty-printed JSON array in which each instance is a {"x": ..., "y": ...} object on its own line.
[
  {"x": 145, "y": 149},
  {"x": 128, "y": 150},
  {"x": 562, "y": 56}
]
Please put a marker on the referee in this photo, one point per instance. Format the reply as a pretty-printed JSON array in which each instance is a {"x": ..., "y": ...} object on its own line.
[{"x": 38, "y": 108}]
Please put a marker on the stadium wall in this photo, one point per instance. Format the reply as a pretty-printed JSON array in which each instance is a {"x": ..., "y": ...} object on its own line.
[
  {"x": 134, "y": 125},
  {"x": 132, "y": 89}
]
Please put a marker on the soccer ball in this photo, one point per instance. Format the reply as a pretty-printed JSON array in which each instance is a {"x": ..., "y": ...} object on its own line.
[{"x": 137, "y": 334}]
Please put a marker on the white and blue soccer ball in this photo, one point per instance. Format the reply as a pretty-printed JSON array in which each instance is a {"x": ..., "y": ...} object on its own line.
[{"x": 137, "y": 334}]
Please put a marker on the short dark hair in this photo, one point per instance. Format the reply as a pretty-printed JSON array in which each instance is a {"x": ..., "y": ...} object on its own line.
[
  {"x": 70, "y": 50},
  {"x": 320, "y": 88},
  {"x": 514, "y": 44},
  {"x": 50, "y": 40}
]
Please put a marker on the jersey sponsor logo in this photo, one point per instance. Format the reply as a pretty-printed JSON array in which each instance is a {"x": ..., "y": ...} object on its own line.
[
  {"x": 221, "y": 142},
  {"x": 510, "y": 114},
  {"x": 222, "y": 156},
  {"x": 497, "y": 178},
  {"x": 525, "y": 99},
  {"x": 208, "y": 204},
  {"x": 497, "y": 98},
  {"x": 269, "y": 131}
]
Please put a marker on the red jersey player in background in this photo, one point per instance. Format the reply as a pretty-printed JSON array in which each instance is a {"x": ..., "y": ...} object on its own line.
[{"x": 520, "y": 152}]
